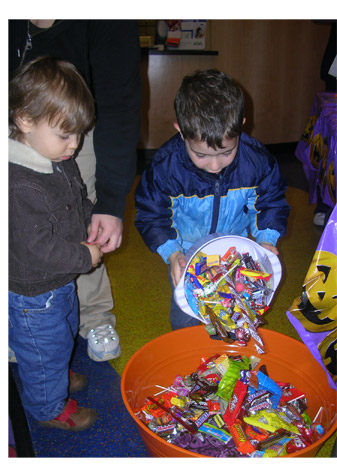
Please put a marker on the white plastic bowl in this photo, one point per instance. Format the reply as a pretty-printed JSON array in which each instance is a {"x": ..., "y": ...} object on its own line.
[{"x": 217, "y": 244}]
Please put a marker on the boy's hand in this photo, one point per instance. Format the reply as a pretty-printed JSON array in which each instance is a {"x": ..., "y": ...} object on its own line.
[
  {"x": 95, "y": 251},
  {"x": 269, "y": 247},
  {"x": 178, "y": 263}
]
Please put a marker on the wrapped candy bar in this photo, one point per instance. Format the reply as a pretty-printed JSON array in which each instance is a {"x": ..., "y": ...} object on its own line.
[
  {"x": 239, "y": 412},
  {"x": 228, "y": 285}
]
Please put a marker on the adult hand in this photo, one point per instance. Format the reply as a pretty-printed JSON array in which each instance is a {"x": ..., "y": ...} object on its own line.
[{"x": 107, "y": 231}]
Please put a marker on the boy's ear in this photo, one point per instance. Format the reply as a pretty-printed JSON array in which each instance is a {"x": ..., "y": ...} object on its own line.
[
  {"x": 244, "y": 121},
  {"x": 24, "y": 123},
  {"x": 176, "y": 126}
]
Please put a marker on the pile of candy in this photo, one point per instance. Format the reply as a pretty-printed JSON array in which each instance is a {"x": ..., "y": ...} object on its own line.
[
  {"x": 230, "y": 407},
  {"x": 229, "y": 294}
]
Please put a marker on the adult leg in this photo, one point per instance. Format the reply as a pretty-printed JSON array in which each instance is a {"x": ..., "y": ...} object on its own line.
[
  {"x": 95, "y": 300},
  {"x": 94, "y": 289}
]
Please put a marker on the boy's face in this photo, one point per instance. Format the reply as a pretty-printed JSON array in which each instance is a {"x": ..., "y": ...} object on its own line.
[
  {"x": 209, "y": 159},
  {"x": 50, "y": 142}
]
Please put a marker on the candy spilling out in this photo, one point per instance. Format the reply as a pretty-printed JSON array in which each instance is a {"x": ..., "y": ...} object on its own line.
[
  {"x": 230, "y": 407},
  {"x": 229, "y": 294}
]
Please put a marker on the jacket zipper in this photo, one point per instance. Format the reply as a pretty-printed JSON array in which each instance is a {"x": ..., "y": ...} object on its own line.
[
  {"x": 29, "y": 44},
  {"x": 216, "y": 207}
]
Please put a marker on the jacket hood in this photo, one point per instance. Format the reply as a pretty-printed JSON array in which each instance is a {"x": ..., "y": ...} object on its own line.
[{"x": 22, "y": 154}]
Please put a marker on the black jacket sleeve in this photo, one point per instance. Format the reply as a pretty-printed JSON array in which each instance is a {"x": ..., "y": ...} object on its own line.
[{"x": 114, "y": 59}]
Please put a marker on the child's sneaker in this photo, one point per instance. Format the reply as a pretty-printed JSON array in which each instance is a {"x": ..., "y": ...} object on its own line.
[
  {"x": 72, "y": 418},
  {"x": 103, "y": 343},
  {"x": 319, "y": 219}
]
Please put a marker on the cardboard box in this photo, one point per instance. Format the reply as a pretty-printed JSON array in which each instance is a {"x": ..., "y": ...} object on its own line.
[
  {"x": 182, "y": 34},
  {"x": 193, "y": 35}
]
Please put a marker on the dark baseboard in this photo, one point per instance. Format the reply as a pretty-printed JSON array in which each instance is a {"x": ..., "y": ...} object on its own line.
[{"x": 284, "y": 151}]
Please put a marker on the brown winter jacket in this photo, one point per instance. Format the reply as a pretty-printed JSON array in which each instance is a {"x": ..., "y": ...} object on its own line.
[{"x": 48, "y": 218}]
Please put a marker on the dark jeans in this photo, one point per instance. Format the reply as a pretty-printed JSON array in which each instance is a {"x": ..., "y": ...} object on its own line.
[{"x": 42, "y": 331}]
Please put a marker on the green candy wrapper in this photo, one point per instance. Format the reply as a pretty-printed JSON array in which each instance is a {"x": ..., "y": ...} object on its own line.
[{"x": 232, "y": 374}]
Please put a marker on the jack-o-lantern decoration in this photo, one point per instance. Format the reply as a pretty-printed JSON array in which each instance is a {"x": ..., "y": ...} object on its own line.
[
  {"x": 316, "y": 309},
  {"x": 331, "y": 182},
  {"x": 307, "y": 134},
  {"x": 318, "y": 151}
]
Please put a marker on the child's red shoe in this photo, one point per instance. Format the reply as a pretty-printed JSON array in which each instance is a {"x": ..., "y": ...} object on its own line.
[{"x": 72, "y": 418}]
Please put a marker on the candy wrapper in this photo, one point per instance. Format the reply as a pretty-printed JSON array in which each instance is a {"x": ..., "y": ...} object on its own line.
[
  {"x": 314, "y": 313},
  {"x": 229, "y": 407},
  {"x": 228, "y": 284}
]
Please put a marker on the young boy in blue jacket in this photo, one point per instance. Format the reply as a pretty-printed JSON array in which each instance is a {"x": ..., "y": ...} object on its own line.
[{"x": 210, "y": 177}]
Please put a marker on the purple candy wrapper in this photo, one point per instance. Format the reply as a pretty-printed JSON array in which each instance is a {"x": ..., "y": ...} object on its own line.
[
  {"x": 207, "y": 445},
  {"x": 314, "y": 313}
]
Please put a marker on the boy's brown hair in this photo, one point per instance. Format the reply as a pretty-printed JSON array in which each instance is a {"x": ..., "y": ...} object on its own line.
[
  {"x": 209, "y": 106},
  {"x": 53, "y": 90}
]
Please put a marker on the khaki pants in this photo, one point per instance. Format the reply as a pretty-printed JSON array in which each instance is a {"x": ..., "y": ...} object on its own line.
[{"x": 93, "y": 288}]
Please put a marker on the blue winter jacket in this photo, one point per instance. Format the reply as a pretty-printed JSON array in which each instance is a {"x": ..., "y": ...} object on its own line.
[{"x": 177, "y": 203}]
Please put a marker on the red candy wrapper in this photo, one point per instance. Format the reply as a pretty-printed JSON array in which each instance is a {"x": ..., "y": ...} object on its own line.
[
  {"x": 235, "y": 403},
  {"x": 297, "y": 443}
]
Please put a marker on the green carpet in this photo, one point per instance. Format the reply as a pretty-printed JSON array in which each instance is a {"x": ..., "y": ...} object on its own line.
[{"x": 142, "y": 291}]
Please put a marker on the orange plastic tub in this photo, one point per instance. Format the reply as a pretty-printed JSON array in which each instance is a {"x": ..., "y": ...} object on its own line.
[{"x": 179, "y": 353}]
